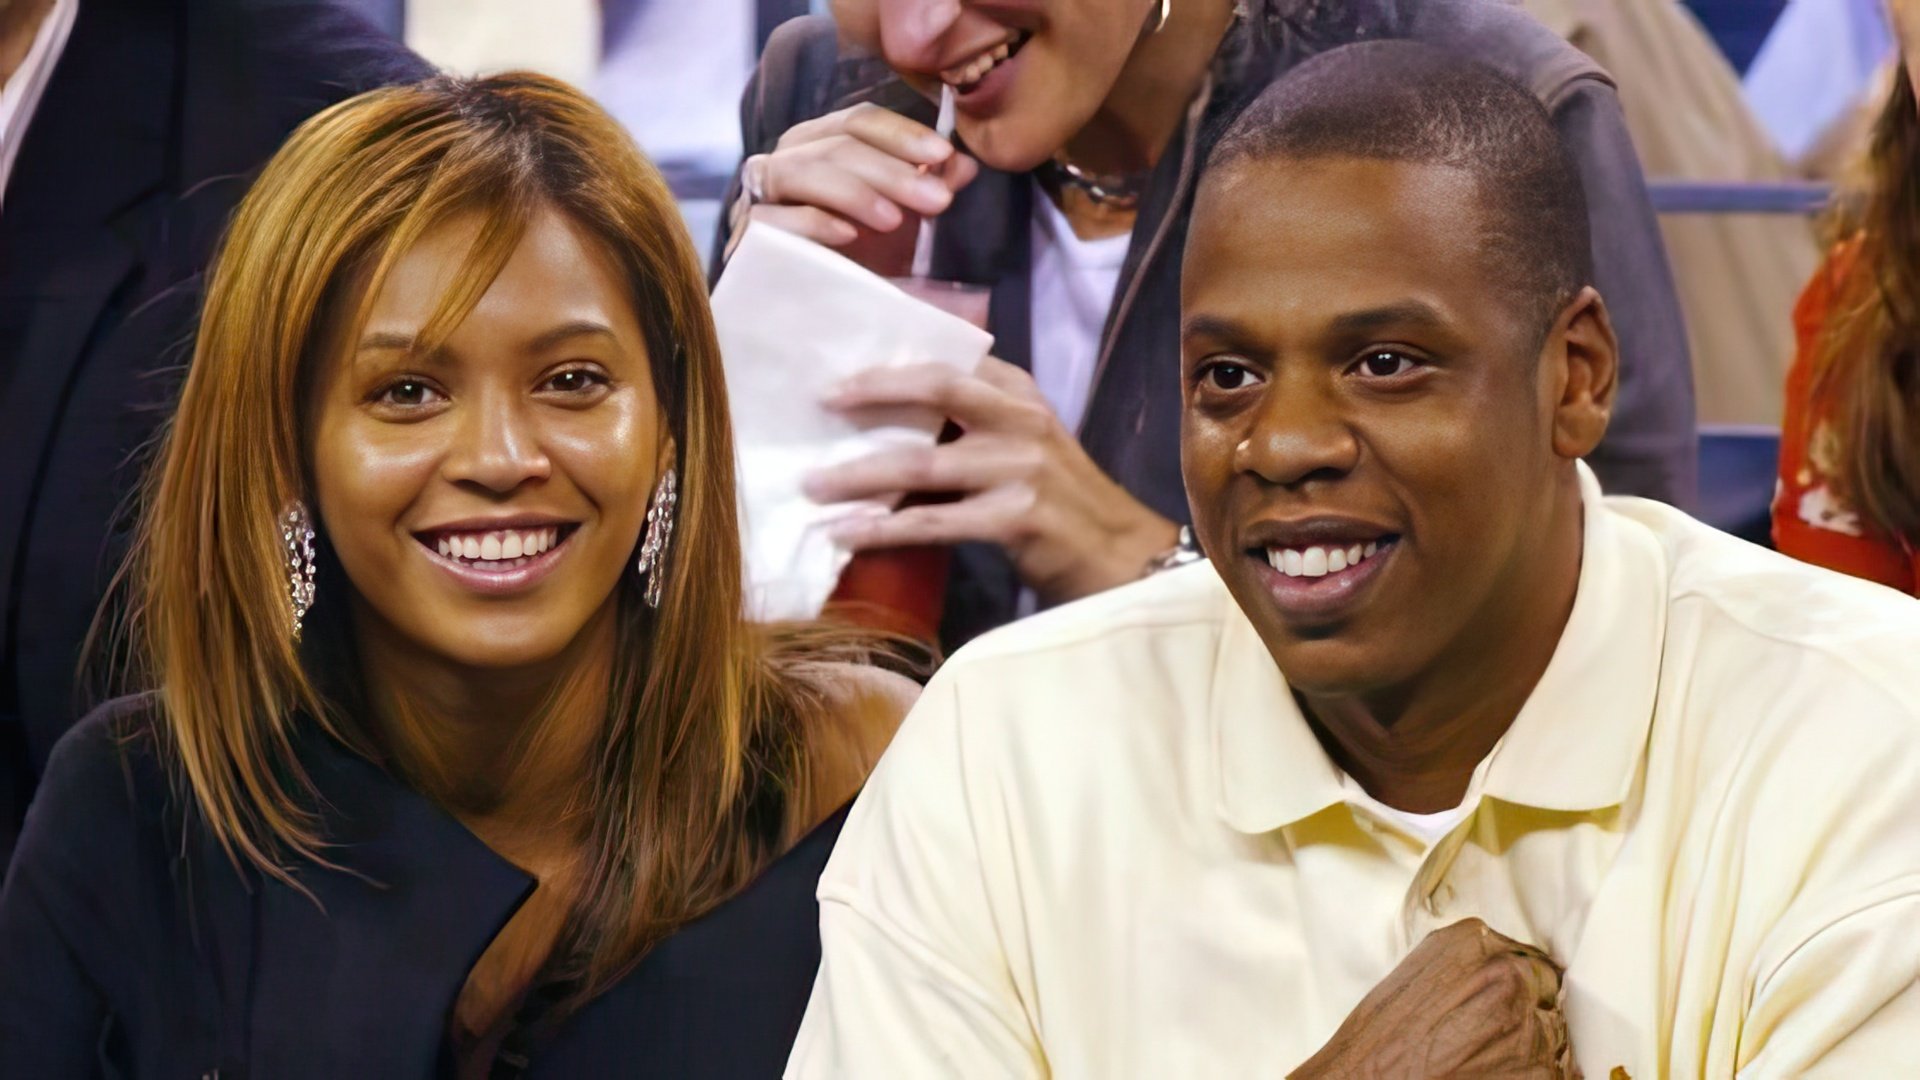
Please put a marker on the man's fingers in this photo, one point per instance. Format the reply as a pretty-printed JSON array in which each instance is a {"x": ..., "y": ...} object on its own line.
[
  {"x": 809, "y": 221},
  {"x": 883, "y": 129},
  {"x": 888, "y": 131},
  {"x": 811, "y": 179},
  {"x": 966, "y": 465},
  {"x": 968, "y": 400},
  {"x": 983, "y": 517}
]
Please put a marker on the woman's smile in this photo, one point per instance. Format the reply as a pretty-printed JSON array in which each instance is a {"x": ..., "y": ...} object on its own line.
[{"x": 498, "y": 558}]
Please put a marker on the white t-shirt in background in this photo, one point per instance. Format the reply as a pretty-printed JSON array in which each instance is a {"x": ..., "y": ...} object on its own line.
[{"x": 1073, "y": 283}]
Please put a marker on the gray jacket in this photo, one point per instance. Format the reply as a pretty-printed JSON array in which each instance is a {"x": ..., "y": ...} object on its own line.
[{"x": 1132, "y": 420}]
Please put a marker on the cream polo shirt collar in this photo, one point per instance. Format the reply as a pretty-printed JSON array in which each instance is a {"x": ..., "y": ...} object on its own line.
[{"x": 1577, "y": 744}]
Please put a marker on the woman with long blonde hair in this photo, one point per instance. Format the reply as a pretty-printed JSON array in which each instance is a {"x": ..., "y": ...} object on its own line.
[
  {"x": 1849, "y": 490},
  {"x": 457, "y": 757}
]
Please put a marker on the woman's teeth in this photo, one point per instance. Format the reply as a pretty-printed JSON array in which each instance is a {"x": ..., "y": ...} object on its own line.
[
  {"x": 503, "y": 545},
  {"x": 968, "y": 75},
  {"x": 1320, "y": 560}
]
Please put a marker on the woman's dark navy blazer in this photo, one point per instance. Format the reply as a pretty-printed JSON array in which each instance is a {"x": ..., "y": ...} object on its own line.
[{"x": 131, "y": 946}]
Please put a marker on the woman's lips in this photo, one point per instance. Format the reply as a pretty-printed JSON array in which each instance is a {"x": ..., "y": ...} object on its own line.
[
  {"x": 499, "y": 577},
  {"x": 987, "y": 95},
  {"x": 1313, "y": 591}
]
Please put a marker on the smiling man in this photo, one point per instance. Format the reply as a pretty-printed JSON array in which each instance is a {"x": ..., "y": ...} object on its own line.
[{"x": 1444, "y": 764}]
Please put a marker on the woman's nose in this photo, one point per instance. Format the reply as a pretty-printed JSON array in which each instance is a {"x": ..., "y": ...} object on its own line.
[
  {"x": 497, "y": 447},
  {"x": 913, "y": 33}
]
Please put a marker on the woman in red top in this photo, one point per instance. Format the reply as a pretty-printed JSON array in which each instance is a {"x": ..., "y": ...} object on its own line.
[{"x": 1849, "y": 492}]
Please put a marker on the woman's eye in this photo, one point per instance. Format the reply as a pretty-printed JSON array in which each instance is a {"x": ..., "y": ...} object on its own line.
[
  {"x": 575, "y": 381},
  {"x": 407, "y": 392},
  {"x": 1227, "y": 375},
  {"x": 1385, "y": 363}
]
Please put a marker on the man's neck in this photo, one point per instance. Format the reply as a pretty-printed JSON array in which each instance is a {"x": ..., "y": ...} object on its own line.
[
  {"x": 1415, "y": 746},
  {"x": 19, "y": 23},
  {"x": 508, "y": 753},
  {"x": 1148, "y": 101}
]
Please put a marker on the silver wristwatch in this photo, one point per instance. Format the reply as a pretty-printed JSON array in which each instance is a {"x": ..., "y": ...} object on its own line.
[{"x": 1183, "y": 551}]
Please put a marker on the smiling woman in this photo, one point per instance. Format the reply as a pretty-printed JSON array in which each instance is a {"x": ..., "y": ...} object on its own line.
[{"x": 437, "y": 591}]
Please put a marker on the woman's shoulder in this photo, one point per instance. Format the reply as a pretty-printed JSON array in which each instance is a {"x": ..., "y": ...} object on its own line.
[
  {"x": 104, "y": 783},
  {"x": 867, "y": 704},
  {"x": 871, "y": 702},
  {"x": 118, "y": 740},
  {"x": 1830, "y": 279}
]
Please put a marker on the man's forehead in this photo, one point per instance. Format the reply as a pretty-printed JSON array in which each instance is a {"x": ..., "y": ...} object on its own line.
[{"x": 1362, "y": 219}]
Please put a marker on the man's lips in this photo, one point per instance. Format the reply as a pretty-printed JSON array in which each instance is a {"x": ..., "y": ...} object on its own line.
[{"x": 1315, "y": 568}]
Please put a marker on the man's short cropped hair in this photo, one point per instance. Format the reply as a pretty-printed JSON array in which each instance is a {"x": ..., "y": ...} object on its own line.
[{"x": 1398, "y": 100}]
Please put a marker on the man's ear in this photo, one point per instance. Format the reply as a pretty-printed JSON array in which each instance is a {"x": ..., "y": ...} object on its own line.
[{"x": 1585, "y": 357}]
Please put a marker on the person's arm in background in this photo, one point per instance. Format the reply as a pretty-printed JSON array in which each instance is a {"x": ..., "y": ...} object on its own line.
[{"x": 1651, "y": 447}]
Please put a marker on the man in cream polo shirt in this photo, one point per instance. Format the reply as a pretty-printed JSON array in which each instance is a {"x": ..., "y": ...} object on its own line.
[{"x": 1443, "y": 764}]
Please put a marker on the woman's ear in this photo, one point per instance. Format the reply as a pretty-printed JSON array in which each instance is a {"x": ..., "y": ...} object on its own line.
[
  {"x": 667, "y": 454},
  {"x": 1586, "y": 355}
]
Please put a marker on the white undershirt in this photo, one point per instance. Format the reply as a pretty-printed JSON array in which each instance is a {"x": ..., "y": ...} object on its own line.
[
  {"x": 21, "y": 94},
  {"x": 1427, "y": 828},
  {"x": 1073, "y": 283}
]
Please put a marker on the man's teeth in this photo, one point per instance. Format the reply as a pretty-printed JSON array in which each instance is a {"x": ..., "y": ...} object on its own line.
[
  {"x": 1320, "y": 560},
  {"x": 971, "y": 72},
  {"x": 499, "y": 546}
]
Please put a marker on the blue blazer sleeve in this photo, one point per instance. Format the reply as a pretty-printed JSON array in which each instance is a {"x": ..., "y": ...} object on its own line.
[{"x": 1651, "y": 446}]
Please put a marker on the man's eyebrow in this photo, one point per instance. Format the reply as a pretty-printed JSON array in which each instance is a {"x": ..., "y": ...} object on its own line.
[
  {"x": 1402, "y": 313},
  {"x": 1215, "y": 327}
]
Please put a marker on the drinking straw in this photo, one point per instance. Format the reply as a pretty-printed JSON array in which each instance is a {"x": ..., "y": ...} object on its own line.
[{"x": 923, "y": 246}]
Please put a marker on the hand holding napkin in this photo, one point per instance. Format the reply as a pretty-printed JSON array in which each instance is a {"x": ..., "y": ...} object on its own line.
[{"x": 795, "y": 321}]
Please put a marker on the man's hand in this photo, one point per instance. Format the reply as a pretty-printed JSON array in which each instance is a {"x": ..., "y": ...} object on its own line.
[
  {"x": 1024, "y": 482},
  {"x": 1467, "y": 1002}
]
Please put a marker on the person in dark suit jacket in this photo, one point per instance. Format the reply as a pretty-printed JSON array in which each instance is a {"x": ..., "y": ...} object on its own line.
[
  {"x": 1102, "y": 110},
  {"x": 156, "y": 115}
]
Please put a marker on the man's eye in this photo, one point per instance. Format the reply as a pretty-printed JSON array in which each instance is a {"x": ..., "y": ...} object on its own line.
[
  {"x": 1385, "y": 363},
  {"x": 407, "y": 392},
  {"x": 1227, "y": 375}
]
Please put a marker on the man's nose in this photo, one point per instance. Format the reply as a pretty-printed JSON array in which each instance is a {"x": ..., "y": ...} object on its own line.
[{"x": 1299, "y": 434}]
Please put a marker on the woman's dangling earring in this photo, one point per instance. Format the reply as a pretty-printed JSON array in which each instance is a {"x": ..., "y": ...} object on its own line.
[
  {"x": 653, "y": 546},
  {"x": 296, "y": 537},
  {"x": 1166, "y": 9}
]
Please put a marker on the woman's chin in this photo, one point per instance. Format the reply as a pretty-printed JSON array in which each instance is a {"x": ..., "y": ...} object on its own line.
[
  {"x": 494, "y": 647},
  {"x": 1006, "y": 144}
]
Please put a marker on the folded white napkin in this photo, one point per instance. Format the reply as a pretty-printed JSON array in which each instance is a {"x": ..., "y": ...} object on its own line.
[{"x": 795, "y": 320}]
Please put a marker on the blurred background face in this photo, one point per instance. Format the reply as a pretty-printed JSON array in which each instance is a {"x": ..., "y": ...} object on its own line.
[
  {"x": 485, "y": 499},
  {"x": 1355, "y": 381},
  {"x": 1028, "y": 74}
]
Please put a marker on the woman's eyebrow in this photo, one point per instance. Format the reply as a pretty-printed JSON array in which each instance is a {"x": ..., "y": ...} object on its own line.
[
  {"x": 568, "y": 330},
  {"x": 380, "y": 340}
]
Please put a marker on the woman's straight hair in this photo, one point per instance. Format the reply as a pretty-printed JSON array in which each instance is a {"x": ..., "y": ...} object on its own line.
[
  {"x": 1867, "y": 362},
  {"x": 712, "y": 726}
]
